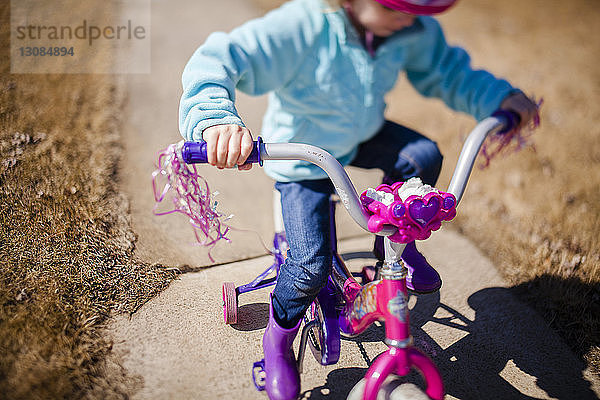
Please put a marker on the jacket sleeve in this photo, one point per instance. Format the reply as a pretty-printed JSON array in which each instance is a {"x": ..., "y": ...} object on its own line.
[
  {"x": 445, "y": 72},
  {"x": 259, "y": 56}
]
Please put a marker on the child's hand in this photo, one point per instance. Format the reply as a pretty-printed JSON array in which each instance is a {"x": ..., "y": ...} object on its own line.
[
  {"x": 228, "y": 145},
  {"x": 522, "y": 105}
]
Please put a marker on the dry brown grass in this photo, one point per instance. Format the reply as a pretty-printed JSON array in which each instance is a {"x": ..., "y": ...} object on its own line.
[
  {"x": 536, "y": 214},
  {"x": 65, "y": 241}
]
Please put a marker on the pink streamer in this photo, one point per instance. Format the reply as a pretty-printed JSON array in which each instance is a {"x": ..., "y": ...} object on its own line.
[
  {"x": 191, "y": 196},
  {"x": 510, "y": 142}
]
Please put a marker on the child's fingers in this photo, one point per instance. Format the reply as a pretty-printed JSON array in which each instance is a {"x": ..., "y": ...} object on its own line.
[
  {"x": 233, "y": 153},
  {"x": 532, "y": 111},
  {"x": 228, "y": 145},
  {"x": 522, "y": 105},
  {"x": 222, "y": 148},
  {"x": 211, "y": 137},
  {"x": 528, "y": 114},
  {"x": 246, "y": 146}
]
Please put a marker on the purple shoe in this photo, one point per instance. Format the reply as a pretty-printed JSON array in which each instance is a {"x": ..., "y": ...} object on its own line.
[
  {"x": 422, "y": 278},
  {"x": 282, "y": 380}
]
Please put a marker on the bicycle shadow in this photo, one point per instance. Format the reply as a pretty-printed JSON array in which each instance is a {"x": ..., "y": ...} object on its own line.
[
  {"x": 252, "y": 317},
  {"x": 506, "y": 343}
]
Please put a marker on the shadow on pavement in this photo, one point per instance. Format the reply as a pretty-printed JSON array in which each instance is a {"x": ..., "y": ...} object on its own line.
[
  {"x": 565, "y": 302},
  {"x": 252, "y": 317},
  {"x": 339, "y": 383},
  {"x": 502, "y": 341}
]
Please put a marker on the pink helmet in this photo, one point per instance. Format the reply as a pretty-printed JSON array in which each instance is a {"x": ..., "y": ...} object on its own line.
[{"x": 418, "y": 7}]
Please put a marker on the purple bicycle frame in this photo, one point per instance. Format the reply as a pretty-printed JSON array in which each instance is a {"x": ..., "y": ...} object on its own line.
[{"x": 261, "y": 281}]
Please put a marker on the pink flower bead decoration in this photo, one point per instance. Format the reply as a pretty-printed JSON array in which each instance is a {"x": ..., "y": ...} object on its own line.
[{"x": 415, "y": 218}]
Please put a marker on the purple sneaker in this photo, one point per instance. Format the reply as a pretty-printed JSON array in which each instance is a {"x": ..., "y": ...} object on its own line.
[{"x": 422, "y": 278}]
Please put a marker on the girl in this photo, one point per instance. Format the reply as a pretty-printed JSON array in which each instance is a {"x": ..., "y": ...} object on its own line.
[{"x": 327, "y": 70}]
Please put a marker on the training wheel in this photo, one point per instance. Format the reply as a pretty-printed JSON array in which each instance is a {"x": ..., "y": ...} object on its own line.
[{"x": 229, "y": 303}]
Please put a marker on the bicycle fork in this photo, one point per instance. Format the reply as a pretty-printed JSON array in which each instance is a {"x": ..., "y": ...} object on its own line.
[{"x": 392, "y": 303}]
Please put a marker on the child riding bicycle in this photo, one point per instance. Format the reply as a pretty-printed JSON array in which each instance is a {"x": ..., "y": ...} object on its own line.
[{"x": 327, "y": 68}]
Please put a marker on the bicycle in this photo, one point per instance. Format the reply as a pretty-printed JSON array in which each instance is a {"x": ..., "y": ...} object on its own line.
[{"x": 345, "y": 306}]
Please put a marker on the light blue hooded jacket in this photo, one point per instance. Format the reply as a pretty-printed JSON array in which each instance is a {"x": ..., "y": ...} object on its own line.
[{"x": 326, "y": 89}]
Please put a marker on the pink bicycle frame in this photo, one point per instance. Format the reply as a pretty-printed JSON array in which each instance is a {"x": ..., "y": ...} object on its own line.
[{"x": 387, "y": 300}]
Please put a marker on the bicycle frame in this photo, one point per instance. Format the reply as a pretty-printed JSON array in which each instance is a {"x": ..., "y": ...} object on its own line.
[
  {"x": 385, "y": 299},
  {"x": 346, "y": 306}
]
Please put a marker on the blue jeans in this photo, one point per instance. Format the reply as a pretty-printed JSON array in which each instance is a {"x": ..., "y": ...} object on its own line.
[{"x": 399, "y": 152}]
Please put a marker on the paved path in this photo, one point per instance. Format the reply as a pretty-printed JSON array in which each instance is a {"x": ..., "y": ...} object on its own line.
[{"x": 486, "y": 343}]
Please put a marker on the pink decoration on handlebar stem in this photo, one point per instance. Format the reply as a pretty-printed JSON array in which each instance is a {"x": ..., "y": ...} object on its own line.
[
  {"x": 190, "y": 195},
  {"x": 512, "y": 141},
  {"x": 416, "y": 217}
]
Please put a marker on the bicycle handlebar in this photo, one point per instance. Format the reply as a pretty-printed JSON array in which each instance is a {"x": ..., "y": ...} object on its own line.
[
  {"x": 192, "y": 152},
  {"x": 500, "y": 122},
  {"x": 195, "y": 153}
]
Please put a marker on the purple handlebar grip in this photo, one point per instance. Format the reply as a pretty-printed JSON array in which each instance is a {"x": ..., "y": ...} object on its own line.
[
  {"x": 512, "y": 120},
  {"x": 195, "y": 153}
]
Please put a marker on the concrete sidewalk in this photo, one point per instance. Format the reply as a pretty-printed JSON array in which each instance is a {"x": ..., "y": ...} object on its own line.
[{"x": 486, "y": 343}]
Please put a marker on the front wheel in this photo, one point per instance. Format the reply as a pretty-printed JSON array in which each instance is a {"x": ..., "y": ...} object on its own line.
[{"x": 393, "y": 389}]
